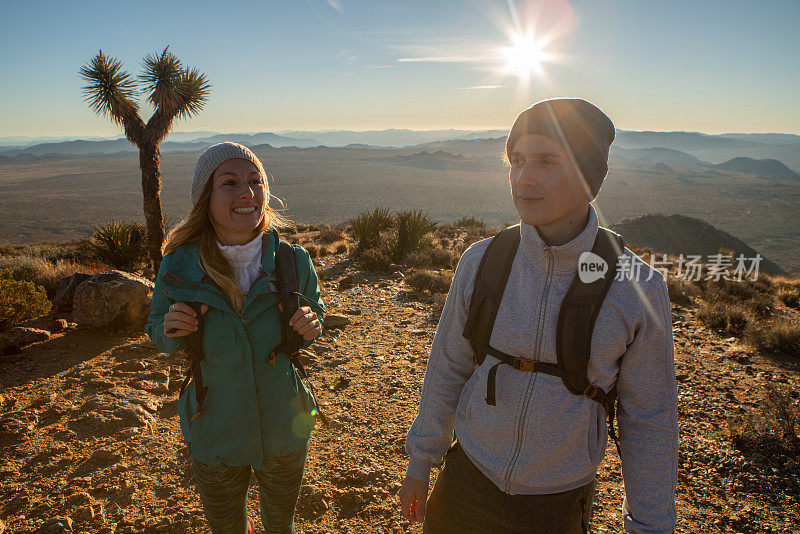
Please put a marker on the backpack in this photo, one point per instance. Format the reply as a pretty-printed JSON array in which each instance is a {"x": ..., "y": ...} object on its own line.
[
  {"x": 289, "y": 290},
  {"x": 576, "y": 319}
]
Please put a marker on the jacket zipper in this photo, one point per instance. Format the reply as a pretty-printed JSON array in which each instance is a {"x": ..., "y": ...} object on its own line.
[{"x": 532, "y": 378}]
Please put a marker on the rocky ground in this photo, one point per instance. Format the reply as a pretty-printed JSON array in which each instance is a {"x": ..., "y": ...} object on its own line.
[{"x": 89, "y": 438}]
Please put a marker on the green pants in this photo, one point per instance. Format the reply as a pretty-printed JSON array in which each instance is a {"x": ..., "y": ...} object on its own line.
[{"x": 464, "y": 501}]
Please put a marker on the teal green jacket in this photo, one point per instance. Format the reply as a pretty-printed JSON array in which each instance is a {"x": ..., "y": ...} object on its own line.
[{"x": 251, "y": 411}]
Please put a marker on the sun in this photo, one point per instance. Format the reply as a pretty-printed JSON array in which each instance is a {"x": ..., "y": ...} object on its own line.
[{"x": 524, "y": 57}]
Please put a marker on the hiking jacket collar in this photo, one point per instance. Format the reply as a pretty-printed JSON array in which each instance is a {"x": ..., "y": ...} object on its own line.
[{"x": 564, "y": 257}]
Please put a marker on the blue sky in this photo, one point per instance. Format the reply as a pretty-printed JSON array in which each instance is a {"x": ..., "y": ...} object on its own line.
[{"x": 709, "y": 66}]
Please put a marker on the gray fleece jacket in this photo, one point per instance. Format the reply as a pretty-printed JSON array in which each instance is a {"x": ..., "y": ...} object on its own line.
[{"x": 540, "y": 438}]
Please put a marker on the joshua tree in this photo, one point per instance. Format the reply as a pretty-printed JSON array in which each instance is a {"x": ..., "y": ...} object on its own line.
[{"x": 174, "y": 91}]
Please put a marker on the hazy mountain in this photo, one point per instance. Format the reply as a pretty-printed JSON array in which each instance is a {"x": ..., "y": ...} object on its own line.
[
  {"x": 656, "y": 155},
  {"x": 678, "y": 234},
  {"x": 82, "y": 148},
  {"x": 22, "y": 141},
  {"x": 269, "y": 138},
  {"x": 767, "y": 168},
  {"x": 684, "y": 141},
  {"x": 662, "y": 167},
  {"x": 390, "y": 138},
  {"x": 766, "y": 138},
  {"x": 183, "y": 137}
]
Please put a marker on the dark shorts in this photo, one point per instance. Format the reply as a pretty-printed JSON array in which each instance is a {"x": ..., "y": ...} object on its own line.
[{"x": 464, "y": 501}]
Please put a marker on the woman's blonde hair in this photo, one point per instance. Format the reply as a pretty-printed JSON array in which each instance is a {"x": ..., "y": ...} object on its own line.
[{"x": 199, "y": 226}]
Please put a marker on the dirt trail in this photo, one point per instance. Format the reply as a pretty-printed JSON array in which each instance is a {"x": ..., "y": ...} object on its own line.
[{"x": 89, "y": 438}]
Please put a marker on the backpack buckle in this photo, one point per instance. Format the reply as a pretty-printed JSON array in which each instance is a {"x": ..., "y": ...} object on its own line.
[
  {"x": 521, "y": 364},
  {"x": 591, "y": 391}
]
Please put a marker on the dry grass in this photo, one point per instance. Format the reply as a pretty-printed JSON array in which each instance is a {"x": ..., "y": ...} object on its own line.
[
  {"x": 44, "y": 272},
  {"x": 330, "y": 235},
  {"x": 375, "y": 260},
  {"x": 780, "y": 334},
  {"x": 772, "y": 427}
]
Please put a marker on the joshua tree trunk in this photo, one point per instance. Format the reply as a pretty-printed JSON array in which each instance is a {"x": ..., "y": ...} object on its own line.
[{"x": 149, "y": 159}]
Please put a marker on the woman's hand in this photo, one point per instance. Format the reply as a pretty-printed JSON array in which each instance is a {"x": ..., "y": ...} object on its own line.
[
  {"x": 305, "y": 322},
  {"x": 181, "y": 319},
  {"x": 413, "y": 498}
]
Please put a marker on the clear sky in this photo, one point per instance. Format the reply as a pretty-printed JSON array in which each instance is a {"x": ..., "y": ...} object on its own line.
[{"x": 708, "y": 65}]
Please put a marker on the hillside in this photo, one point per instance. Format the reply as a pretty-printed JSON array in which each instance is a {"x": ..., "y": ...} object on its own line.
[
  {"x": 62, "y": 465},
  {"x": 766, "y": 168},
  {"x": 678, "y": 234},
  {"x": 656, "y": 155}
]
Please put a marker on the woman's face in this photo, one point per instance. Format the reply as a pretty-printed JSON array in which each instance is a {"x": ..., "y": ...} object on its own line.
[{"x": 237, "y": 200}]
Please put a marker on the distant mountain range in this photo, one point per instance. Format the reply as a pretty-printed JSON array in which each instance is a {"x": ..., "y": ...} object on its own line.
[
  {"x": 656, "y": 155},
  {"x": 679, "y": 234}
]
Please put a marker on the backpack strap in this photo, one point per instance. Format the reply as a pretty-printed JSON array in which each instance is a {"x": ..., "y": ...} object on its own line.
[
  {"x": 291, "y": 341},
  {"x": 490, "y": 283},
  {"x": 576, "y": 320},
  {"x": 194, "y": 350}
]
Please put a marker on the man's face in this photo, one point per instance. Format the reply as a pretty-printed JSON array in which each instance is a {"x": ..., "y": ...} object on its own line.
[{"x": 545, "y": 185}]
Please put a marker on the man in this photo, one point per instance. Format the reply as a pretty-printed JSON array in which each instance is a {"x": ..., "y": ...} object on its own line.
[{"x": 528, "y": 447}]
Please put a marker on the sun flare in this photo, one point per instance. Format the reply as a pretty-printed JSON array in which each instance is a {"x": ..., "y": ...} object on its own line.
[{"x": 524, "y": 57}]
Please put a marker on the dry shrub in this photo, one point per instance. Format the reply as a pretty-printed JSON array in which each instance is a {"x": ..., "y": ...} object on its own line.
[
  {"x": 433, "y": 257},
  {"x": 432, "y": 281},
  {"x": 680, "y": 291},
  {"x": 330, "y": 235},
  {"x": 728, "y": 316},
  {"x": 313, "y": 251},
  {"x": 323, "y": 251},
  {"x": 375, "y": 260},
  {"x": 469, "y": 222},
  {"x": 20, "y": 300},
  {"x": 46, "y": 273},
  {"x": 781, "y": 334},
  {"x": 772, "y": 427},
  {"x": 790, "y": 297},
  {"x": 340, "y": 247}
]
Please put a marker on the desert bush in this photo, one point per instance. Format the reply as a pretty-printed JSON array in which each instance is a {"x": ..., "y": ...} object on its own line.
[
  {"x": 340, "y": 247},
  {"x": 330, "y": 235},
  {"x": 120, "y": 244},
  {"x": 375, "y": 260},
  {"x": 469, "y": 222},
  {"x": 412, "y": 227},
  {"x": 432, "y": 281},
  {"x": 367, "y": 227},
  {"x": 773, "y": 426},
  {"x": 20, "y": 300},
  {"x": 46, "y": 273},
  {"x": 435, "y": 257},
  {"x": 313, "y": 251},
  {"x": 781, "y": 334},
  {"x": 789, "y": 296},
  {"x": 728, "y": 316},
  {"x": 680, "y": 291}
]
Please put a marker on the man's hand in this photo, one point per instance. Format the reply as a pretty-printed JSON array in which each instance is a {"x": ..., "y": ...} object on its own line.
[
  {"x": 413, "y": 498},
  {"x": 305, "y": 322}
]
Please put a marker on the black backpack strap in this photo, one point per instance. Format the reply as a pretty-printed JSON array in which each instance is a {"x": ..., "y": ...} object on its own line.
[
  {"x": 487, "y": 292},
  {"x": 576, "y": 320},
  {"x": 291, "y": 341},
  {"x": 194, "y": 350},
  {"x": 288, "y": 289}
]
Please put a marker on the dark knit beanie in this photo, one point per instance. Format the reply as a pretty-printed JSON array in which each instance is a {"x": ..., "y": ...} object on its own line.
[{"x": 577, "y": 125}]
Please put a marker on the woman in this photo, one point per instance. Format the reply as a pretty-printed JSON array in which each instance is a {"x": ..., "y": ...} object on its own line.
[{"x": 255, "y": 411}]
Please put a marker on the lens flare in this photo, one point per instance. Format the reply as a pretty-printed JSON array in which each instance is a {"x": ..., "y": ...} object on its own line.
[{"x": 524, "y": 56}]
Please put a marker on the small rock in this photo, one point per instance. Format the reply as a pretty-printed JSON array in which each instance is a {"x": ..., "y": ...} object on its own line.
[
  {"x": 336, "y": 321},
  {"x": 107, "y": 455},
  {"x": 347, "y": 282},
  {"x": 62, "y": 302},
  {"x": 58, "y": 325},
  {"x": 113, "y": 299}
]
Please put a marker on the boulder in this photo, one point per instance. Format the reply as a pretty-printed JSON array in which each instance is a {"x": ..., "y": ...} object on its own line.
[
  {"x": 62, "y": 302},
  {"x": 114, "y": 299},
  {"x": 14, "y": 338}
]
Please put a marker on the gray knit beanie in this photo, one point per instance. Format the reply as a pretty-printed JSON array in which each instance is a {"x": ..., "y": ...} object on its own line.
[
  {"x": 577, "y": 125},
  {"x": 210, "y": 159}
]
